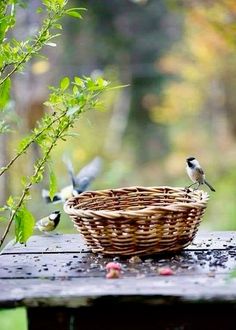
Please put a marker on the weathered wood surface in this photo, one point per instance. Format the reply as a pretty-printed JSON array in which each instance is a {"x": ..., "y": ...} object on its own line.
[
  {"x": 86, "y": 291},
  {"x": 49, "y": 244},
  {"x": 60, "y": 271},
  {"x": 79, "y": 265},
  {"x": 75, "y": 243}
]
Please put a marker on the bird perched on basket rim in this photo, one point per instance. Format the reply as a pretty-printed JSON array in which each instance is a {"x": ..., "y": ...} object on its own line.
[
  {"x": 196, "y": 173},
  {"x": 49, "y": 223},
  {"x": 80, "y": 182}
]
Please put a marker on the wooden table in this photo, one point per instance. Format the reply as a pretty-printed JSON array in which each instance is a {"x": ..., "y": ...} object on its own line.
[{"x": 63, "y": 286}]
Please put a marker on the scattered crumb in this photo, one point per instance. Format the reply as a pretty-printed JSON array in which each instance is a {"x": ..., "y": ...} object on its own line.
[
  {"x": 211, "y": 274},
  {"x": 113, "y": 273},
  {"x": 135, "y": 260}
]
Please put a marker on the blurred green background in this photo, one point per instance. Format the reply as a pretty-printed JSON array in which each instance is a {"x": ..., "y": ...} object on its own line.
[
  {"x": 179, "y": 59},
  {"x": 13, "y": 319}
]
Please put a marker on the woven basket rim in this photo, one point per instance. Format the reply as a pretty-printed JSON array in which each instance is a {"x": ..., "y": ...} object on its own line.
[{"x": 200, "y": 195}]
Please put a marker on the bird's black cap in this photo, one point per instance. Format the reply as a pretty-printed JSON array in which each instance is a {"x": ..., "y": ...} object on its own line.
[{"x": 189, "y": 159}]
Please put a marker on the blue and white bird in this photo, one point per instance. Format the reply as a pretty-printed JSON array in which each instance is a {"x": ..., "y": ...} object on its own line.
[
  {"x": 196, "y": 173},
  {"x": 80, "y": 182}
]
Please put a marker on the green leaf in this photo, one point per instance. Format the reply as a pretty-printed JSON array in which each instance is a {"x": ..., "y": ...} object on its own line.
[
  {"x": 79, "y": 82},
  {"x": 6, "y": 23},
  {"x": 24, "y": 224},
  {"x": 37, "y": 178},
  {"x": 24, "y": 143},
  {"x": 24, "y": 180},
  {"x": 77, "y": 9},
  {"x": 62, "y": 3},
  {"x": 117, "y": 87},
  {"x": 57, "y": 26},
  {"x": 74, "y": 14},
  {"x": 10, "y": 202},
  {"x": 4, "y": 93},
  {"x": 52, "y": 184},
  {"x": 75, "y": 90},
  {"x": 64, "y": 84},
  {"x": 39, "y": 10}
]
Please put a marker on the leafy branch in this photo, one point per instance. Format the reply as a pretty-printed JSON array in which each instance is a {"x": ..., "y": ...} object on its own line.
[
  {"x": 67, "y": 102},
  {"x": 70, "y": 100},
  {"x": 14, "y": 54},
  {"x": 21, "y": 52}
]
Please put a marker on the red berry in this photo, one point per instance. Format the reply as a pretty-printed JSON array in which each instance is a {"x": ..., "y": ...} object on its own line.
[
  {"x": 165, "y": 271},
  {"x": 113, "y": 265}
]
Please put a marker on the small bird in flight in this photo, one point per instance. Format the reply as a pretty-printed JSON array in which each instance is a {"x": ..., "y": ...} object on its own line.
[
  {"x": 49, "y": 223},
  {"x": 196, "y": 173},
  {"x": 80, "y": 182}
]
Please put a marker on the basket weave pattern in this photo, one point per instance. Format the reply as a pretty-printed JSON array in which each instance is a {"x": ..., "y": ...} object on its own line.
[{"x": 137, "y": 220}]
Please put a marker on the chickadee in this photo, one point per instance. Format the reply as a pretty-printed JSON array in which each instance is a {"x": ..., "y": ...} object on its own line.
[
  {"x": 61, "y": 196},
  {"x": 196, "y": 173},
  {"x": 49, "y": 223},
  {"x": 80, "y": 182}
]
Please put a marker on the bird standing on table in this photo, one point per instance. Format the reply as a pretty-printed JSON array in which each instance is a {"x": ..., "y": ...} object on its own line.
[
  {"x": 196, "y": 173},
  {"x": 49, "y": 223}
]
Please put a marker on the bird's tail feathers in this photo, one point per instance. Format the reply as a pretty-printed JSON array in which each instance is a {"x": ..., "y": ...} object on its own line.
[{"x": 208, "y": 184}]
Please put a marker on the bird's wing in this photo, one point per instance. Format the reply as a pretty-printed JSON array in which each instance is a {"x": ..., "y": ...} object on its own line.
[
  {"x": 44, "y": 222},
  {"x": 89, "y": 172},
  {"x": 70, "y": 169},
  {"x": 199, "y": 175},
  {"x": 200, "y": 170}
]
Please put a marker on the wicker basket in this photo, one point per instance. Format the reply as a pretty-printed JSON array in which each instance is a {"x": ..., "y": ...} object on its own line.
[{"x": 138, "y": 220}]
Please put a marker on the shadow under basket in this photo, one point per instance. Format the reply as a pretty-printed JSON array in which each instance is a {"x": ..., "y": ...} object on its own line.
[{"x": 137, "y": 220}]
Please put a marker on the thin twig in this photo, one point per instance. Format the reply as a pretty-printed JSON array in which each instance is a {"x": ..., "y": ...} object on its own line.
[{"x": 5, "y": 65}]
